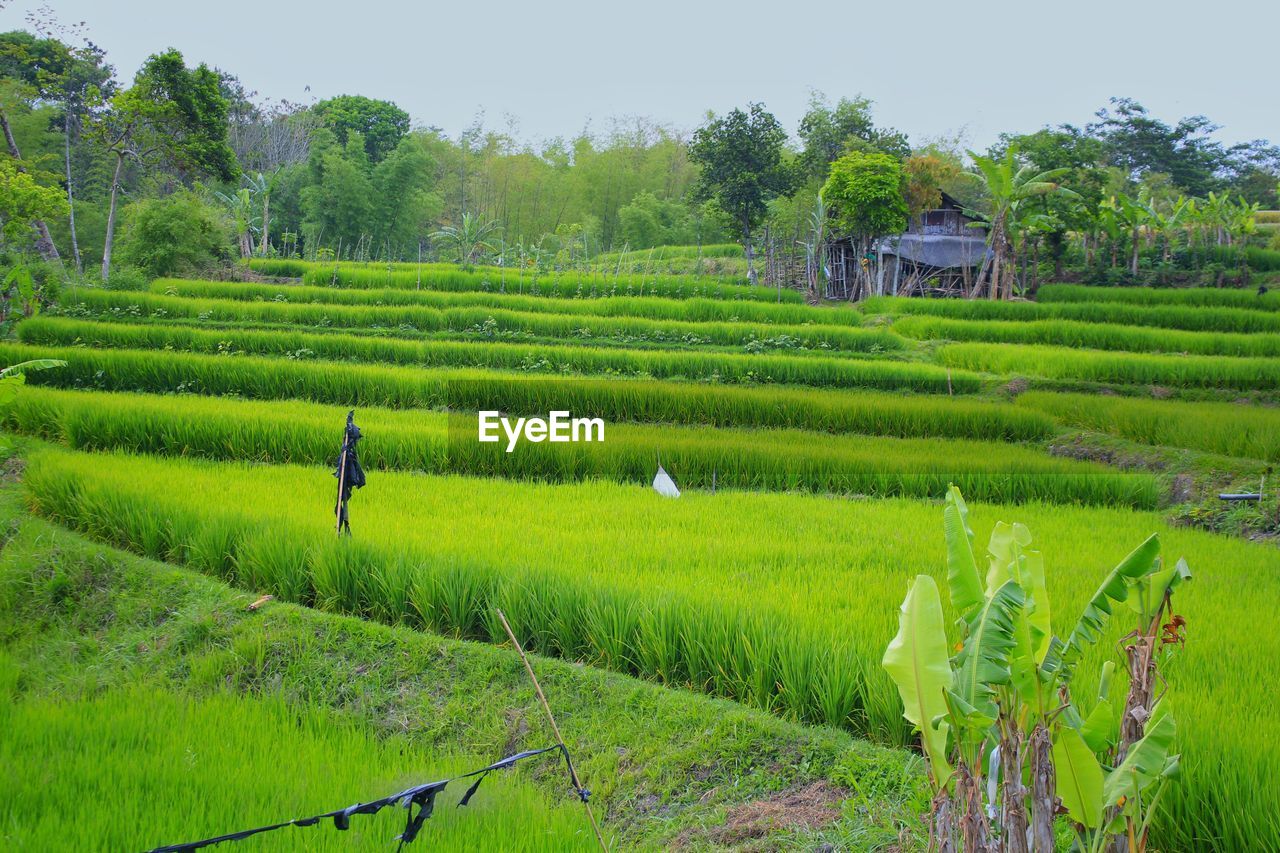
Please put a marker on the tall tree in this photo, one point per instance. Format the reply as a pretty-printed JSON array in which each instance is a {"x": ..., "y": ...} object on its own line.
[
  {"x": 32, "y": 70},
  {"x": 830, "y": 132},
  {"x": 381, "y": 124},
  {"x": 865, "y": 196},
  {"x": 171, "y": 116},
  {"x": 742, "y": 169}
]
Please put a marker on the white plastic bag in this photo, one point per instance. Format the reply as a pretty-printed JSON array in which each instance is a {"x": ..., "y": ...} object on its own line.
[{"x": 664, "y": 485}]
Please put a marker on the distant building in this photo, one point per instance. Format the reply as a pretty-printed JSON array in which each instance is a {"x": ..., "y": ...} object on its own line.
[{"x": 939, "y": 255}]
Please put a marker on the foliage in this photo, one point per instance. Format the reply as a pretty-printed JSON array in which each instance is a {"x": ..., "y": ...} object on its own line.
[
  {"x": 1208, "y": 297},
  {"x": 1231, "y": 429},
  {"x": 741, "y": 168},
  {"x": 582, "y": 285},
  {"x": 24, "y": 200},
  {"x": 692, "y": 309},
  {"x": 356, "y": 671},
  {"x": 91, "y": 748},
  {"x": 1188, "y": 317},
  {"x": 1192, "y": 371},
  {"x": 1101, "y": 336},
  {"x": 756, "y": 557},
  {"x": 748, "y": 368},
  {"x": 377, "y": 125},
  {"x": 1004, "y": 699},
  {"x": 828, "y": 133},
  {"x": 482, "y": 321},
  {"x": 701, "y": 457},
  {"x": 176, "y": 234},
  {"x": 865, "y": 196}
]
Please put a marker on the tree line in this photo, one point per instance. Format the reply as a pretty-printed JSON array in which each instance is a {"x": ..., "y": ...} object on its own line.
[{"x": 181, "y": 168}]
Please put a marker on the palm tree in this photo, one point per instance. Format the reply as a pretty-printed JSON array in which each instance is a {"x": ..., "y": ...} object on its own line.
[
  {"x": 469, "y": 239},
  {"x": 1009, "y": 185}
]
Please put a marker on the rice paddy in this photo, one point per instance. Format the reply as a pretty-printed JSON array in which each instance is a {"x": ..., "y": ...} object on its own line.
[
  {"x": 711, "y": 591},
  {"x": 811, "y": 442},
  {"x": 159, "y": 769}
]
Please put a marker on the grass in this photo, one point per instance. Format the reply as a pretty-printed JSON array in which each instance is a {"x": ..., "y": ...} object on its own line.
[
  {"x": 1231, "y": 429},
  {"x": 163, "y": 769},
  {"x": 567, "y": 284},
  {"x": 478, "y": 321},
  {"x": 1188, "y": 317},
  {"x": 344, "y": 384},
  {"x": 1101, "y": 336},
  {"x": 79, "y": 620},
  {"x": 697, "y": 457},
  {"x": 1207, "y": 297},
  {"x": 655, "y": 308},
  {"x": 711, "y": 591},
  {"x": 1063, "y": 363},
  {"x": 808, "y": 370}
]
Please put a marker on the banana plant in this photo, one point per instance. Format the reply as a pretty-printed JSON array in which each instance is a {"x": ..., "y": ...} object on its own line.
[{"x": 1001, "y": 697}]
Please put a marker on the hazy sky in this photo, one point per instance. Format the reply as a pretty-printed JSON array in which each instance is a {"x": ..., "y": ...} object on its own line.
[{"x": 932, "y": 68}]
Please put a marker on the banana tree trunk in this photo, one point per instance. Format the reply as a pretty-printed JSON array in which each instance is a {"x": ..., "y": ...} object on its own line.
[
  {"x": 1044, "y": 793},
  {"x": 1013, "y": 812},
  {"x": 266, "y": 225}
]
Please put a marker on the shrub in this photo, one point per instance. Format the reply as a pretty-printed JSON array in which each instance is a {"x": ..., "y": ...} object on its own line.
[{"x": 176, "y": 234}]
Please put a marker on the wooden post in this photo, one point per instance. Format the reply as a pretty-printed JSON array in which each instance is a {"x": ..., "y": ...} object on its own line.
[{"x": 577, "y": 783}]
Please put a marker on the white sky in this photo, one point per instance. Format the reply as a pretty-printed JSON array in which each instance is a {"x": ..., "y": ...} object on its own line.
[{"x": 932, "y": 68}]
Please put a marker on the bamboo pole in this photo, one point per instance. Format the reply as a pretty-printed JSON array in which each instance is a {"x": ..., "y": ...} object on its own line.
[{"x": 577, "y": 783}]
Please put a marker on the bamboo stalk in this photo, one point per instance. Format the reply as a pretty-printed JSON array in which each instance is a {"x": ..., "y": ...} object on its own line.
[{"x": 577, "y": 783}]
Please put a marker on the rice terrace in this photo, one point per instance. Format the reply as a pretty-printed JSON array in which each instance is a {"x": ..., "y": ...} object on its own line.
[{"x": 722, "y": 480}]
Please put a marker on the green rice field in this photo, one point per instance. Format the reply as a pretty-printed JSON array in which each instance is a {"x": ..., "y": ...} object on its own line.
[{"x": 197, "y": 423}]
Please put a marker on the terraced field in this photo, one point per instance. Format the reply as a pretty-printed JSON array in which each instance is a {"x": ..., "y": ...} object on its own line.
[{"x": 813, "y": 442}]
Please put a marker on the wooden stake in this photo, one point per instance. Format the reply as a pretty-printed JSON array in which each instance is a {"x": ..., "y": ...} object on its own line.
[{"x": 551, "y": 719}]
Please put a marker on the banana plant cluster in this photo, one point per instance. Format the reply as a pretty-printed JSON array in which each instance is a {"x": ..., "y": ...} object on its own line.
[{"x": 1007, "y": 746}]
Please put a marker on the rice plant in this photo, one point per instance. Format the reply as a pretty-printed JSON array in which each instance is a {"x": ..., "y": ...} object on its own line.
[
  {"x": 654, "y": 308},
  {"x": 1231, "y": 429},
  {"x": 1207, "y": 297},
  {"x": 781, "y": 601},
  {"x": 565, "y": 284},
  {"x": 481, "y": 322},
  {"x": 1102, "y": 336},
  {"x": 344, "y": 384},
  {"x": 576, "y": 360},
  {"x": 1189, "y": 317},
  {"x": 781, "y": 460},
  {"x": 1073, "y": 365},
  {"x": 163, "y": 769}
]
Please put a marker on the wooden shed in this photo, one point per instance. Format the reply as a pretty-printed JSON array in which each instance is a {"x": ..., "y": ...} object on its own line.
[{"x": 938, "y": 255}]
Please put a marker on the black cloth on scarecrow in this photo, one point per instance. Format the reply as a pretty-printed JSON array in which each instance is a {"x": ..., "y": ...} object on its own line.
[{"x": 349, "y": 473}]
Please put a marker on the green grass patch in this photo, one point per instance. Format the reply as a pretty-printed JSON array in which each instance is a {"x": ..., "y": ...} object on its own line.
[
  {"x": 478, "y": 321},
  {"x": 715, "y": 592},
  {"x": 577, "y": 360},
  {"x": 1099, "y": 336},
  {"x": 698, "y": 457},
  {"x": 79, "y": 620},
  {"x": 1063, "y": 363},
  {"x": 1231, "y": 429},
  {"x": 344, "y": 384},
  {"x": 688, "y": 310},
  {"x": 566, "y": 284},
  {"x": 1206, "y": 297},
  {"x": 1189, "y": 317},
  {"x": 161, "y": 769}
]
